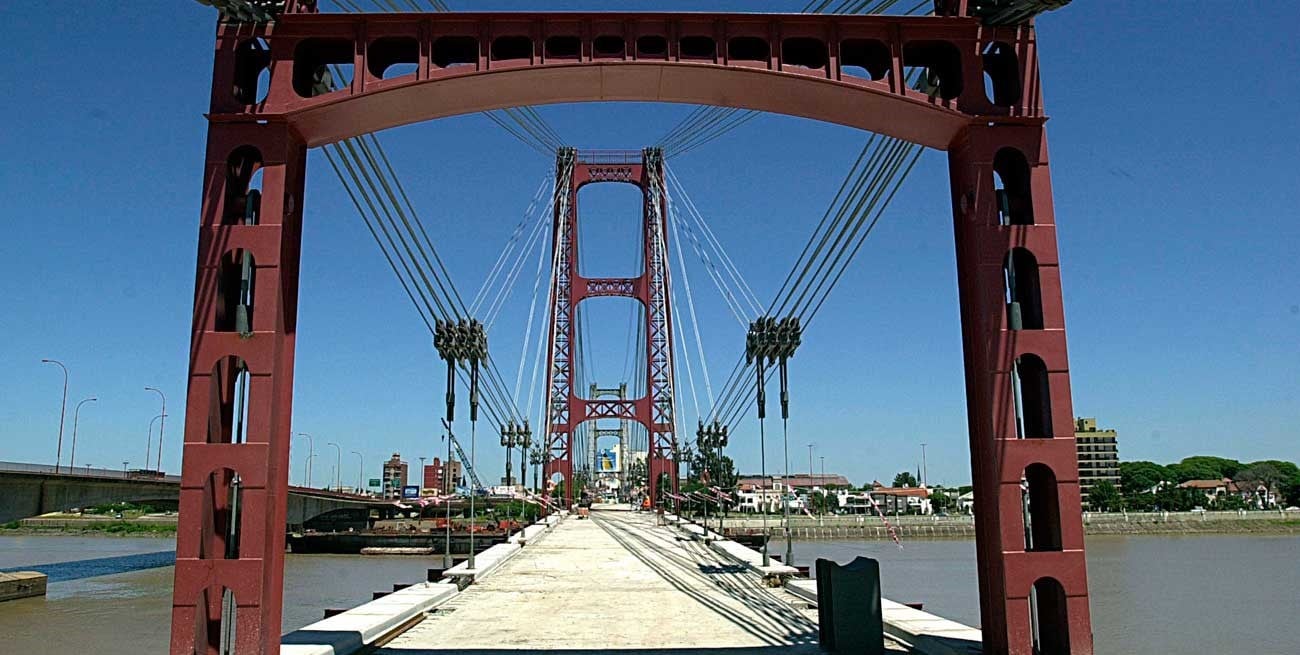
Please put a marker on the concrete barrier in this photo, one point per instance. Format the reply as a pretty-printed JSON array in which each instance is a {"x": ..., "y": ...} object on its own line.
[
  {"x": 492, "y": 558},
  {"x": 362, "y": 626}
]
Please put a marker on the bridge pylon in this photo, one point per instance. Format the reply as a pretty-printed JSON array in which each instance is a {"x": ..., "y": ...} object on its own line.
[{"x": 565, "y": 407}]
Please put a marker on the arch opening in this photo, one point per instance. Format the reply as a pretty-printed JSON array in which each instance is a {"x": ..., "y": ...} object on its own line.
[
  {"x": 452, "y": 51},
  {"x": 939, "y": 65},
  {"x": 804, "y": 52},
  {"x": 652, "y": 46},
  {"x": 1001, "y": 74},
  {"x": 748, "y": 48},
  {"x": 235, "y": 288},
  {"x": 229, "y": 400},
  {"x": 609, "y": 46},
  {"x": 1049, "y": 618},
  {"x": 698, "y": 47},
  {"x": 612, "y": 330},
  {"x": 243, "y": 197},
  {"x": 1041, "y": 509},
  {"x": 252, "y": 71},
  {"x": 610, "y": 235},
  {"x": 322, "y": 65},
  {"x": 393, "y": 56},
  {"x": 1033, "y": 398},
  {"x": 1024, "y": 296},
  {"x": 215, "y": 621},
  {"x": 223, "y": 511},
  {"x": 865, "y": 58},
  {"x": 1012, "y": 187},
  {"x": 511, "y": 48},
  {"x": 562, "y": 47}
]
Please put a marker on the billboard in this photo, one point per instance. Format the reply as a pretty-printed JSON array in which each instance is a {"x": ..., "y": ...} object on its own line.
[
  {"x": 411, "y": 491},
  {"x": 608, "y": 461}
]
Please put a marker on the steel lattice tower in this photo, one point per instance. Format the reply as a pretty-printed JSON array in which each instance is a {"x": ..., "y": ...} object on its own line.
[{"x": 566, "y": 409}]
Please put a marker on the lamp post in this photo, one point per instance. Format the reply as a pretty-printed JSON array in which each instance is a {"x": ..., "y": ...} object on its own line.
[
  {"x": 162, "y": 425},
  {"x": 148, "y": 444},
  {"x": 361, "y": 468},
  {"x": 307, "y": 464},
  {"x": 63, "y": 411},
  {"x": 925, "y": 471},
  {"x": 311, "y": 452},
  {"x": 76, "y": 414},
  {"x": 824, "y": 496},
  {"x": 810, "y": 470},
  {"x": 338, "y": 463},
  {"x": 125, "y": 464}
]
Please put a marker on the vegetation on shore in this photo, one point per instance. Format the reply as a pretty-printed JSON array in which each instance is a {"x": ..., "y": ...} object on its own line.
[
  {"x": 109, "y": 528},
  {"x": 1148, "y": 486}
]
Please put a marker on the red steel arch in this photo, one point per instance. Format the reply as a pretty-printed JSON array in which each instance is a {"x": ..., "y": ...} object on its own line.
[{"x": 800, "y": 65}]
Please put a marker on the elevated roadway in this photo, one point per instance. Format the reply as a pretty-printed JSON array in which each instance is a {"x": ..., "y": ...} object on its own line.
[
  {"x": 616, "y": 582},
  {"x": 28, "y": 490}
]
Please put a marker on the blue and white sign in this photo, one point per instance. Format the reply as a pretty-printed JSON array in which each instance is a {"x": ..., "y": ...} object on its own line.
[{"x": 411, "y": 491}]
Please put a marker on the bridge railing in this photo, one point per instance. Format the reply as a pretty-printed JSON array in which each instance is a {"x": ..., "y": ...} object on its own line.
[{"x": 88, "y": 472}]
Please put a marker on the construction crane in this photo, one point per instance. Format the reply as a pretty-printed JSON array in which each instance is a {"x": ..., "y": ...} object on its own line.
[{"x": 464, "y": 459}]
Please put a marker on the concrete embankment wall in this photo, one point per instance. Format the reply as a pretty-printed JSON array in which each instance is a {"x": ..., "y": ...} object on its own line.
[{"x": 915, "y": 527}]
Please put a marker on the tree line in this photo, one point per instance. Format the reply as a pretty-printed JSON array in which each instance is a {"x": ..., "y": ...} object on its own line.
[{"x": 1148, "y": 486}]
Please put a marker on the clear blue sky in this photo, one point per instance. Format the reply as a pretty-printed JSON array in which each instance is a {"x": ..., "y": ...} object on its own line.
[{"x": 1174, "y": 146}]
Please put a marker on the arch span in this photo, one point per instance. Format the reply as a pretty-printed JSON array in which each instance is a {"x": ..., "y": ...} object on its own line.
[{"x": 849, "y": 70}]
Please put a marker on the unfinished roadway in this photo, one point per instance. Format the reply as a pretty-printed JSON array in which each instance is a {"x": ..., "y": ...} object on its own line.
[{"x": 616, "y": 582}]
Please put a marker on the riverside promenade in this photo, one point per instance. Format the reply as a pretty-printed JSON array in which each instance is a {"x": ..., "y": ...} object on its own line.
[{"x": 620, "y": 581}]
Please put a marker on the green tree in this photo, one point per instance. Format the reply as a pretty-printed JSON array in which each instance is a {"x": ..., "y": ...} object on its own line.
[
  {"x": 1267, "y": 473},
  {"x": 942, "y": 502},
  {"x": 1205, "y": 467},
  {"x": 1176, "y": 499},
  {"x": 1140, "y": 477},
  {"x": 1229, "y": 502},
  {"x": 905, "y": 479},
  {"x": 1104, "y": 497}
]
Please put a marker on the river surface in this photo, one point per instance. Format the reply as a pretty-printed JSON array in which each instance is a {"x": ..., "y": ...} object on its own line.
[{"x": 1150, "y": 594}]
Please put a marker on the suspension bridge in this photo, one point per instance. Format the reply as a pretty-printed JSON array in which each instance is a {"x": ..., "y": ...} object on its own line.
[{"x": 960, "y": 76}]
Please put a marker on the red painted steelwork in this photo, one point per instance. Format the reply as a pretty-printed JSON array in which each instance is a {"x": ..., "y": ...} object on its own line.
[
  {"x": 835, "y": 68},
  {"x": 800, "y": 65},
  {"x": 567, "y": 409},
  {"x": 208, "y": 562},
  {"x": 1009, "y": 566}
]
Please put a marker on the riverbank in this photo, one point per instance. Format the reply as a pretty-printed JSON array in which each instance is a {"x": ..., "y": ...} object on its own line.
[
  {"x": 97, "y": 526},
  {"x": 963, "y": 527}
]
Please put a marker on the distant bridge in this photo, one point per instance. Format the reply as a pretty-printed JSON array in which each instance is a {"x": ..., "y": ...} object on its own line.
[{"x": 28, "y": 490}]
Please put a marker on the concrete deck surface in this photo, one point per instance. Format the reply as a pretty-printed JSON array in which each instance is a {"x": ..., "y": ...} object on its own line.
[{"x": 616, "y": 582}]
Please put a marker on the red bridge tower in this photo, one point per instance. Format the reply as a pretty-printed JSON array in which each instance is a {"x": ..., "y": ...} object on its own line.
[{"x": 565, "y": 408}]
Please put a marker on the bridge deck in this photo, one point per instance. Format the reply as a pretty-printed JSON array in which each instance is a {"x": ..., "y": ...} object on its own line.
[{"x": 616, "y": 582}]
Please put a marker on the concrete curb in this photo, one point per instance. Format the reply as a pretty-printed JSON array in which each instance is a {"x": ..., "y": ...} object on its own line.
[
  {"x": 362, "y": 626},
  {"x": 491, "y": 559},
  {"x": 732, "y": 550}
]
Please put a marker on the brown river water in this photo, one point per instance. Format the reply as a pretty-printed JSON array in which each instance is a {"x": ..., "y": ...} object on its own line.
[{"x": 1150, "y": 594}]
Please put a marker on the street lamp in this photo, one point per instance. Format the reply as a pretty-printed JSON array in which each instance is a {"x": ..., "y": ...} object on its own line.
[
  {"x": 361, "y": 469},
  {"x": 148, "y": 444},
  {"x": 310, "y": 457},
  {"x": 338, "y": 464},
  {"x": 63, "y": 411},
  {"x": 161, "y": 424},
  {"x": 311, "y": 452},
  {"x": 925, "y": 471},
  {"x": 825, "y": 504},
  {"x": 76, "y": 414}
]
